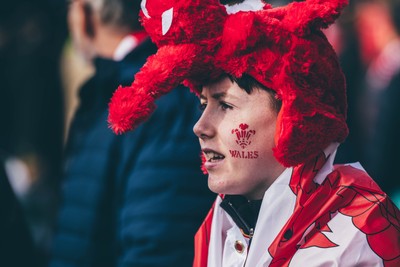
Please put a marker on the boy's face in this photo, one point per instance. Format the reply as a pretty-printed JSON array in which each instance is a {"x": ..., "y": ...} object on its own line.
[{"x": 236, "y": 133}]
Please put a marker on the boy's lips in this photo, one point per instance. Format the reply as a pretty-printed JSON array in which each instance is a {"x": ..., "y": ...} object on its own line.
[{"x": 212, "y": 155}]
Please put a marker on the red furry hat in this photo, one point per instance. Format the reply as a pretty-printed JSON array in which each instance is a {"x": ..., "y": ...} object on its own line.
[{"x": 283, "y": 48}]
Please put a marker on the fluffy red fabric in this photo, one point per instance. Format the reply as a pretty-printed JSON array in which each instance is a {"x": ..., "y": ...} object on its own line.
[{"x": 283, "y": 48}]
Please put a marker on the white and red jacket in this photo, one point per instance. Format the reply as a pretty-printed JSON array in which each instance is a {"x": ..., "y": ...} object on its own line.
[{"x": 315, "y": 214}]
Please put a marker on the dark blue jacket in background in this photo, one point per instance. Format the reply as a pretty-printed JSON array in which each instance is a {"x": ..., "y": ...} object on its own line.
[{"x": 136, "y": 199}]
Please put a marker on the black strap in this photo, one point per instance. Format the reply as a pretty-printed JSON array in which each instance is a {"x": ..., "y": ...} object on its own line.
[{"x": 242, "y": 211}]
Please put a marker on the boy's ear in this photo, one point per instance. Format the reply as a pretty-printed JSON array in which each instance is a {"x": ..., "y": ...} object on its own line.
[
  {"x": 88, "y": 20},
  {"x": 80, "y": 20}
]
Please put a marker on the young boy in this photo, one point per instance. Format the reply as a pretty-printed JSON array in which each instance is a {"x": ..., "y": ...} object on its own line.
[{"x": 274, "y": 111}]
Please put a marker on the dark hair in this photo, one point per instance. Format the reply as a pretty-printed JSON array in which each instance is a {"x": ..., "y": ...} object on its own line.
[
  {"x": 248, "y": 83},
  {"x": 230, "y": 2},
  {"x": 121, "y": 14}
]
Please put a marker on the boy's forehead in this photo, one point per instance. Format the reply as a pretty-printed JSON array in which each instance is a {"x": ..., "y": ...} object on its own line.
[
  {"x": 215, "y": 92},
  {"x": 219, "y": 86},
  {"x": 226, "y": 90}
]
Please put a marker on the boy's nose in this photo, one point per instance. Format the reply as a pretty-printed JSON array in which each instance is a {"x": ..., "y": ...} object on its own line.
[{"x": 202, "y": 129}]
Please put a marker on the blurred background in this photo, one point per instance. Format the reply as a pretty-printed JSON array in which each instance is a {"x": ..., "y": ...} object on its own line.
[{"x": 40, "y": 73}]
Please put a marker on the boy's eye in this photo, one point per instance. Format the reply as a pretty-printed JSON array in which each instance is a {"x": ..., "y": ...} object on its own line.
[
  {"x": 224, "y": 106},
  {"x": 202, "y": 106}
]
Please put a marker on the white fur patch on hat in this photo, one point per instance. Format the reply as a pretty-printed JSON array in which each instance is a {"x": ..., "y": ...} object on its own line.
[{"x": 247, "y": 5}]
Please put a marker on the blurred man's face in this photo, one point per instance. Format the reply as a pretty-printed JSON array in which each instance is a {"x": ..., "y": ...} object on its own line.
[
  {"x": 374, "y": 29},
  {"x": 79, "y": 22}
]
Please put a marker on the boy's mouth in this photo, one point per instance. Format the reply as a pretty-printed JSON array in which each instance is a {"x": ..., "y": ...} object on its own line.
[{"x": 212, "y": 156}]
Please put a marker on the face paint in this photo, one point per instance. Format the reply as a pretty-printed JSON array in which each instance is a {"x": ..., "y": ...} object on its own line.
[{"x": 243, "y": 135}]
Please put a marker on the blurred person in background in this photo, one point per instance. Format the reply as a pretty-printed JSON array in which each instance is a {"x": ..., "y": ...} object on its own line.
[
  {"x": 16, "y": 244},
  {"x": 377, "y": 29},
  {"x": 136, "y": 199},
  {"x": 32, "y": 34}
]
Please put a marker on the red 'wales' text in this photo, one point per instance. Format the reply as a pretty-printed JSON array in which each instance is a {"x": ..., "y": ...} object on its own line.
[{"x": 244, "y": 154}]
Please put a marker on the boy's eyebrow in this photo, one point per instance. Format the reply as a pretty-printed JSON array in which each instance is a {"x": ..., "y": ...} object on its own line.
[{"x": 216, "y": 96}]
